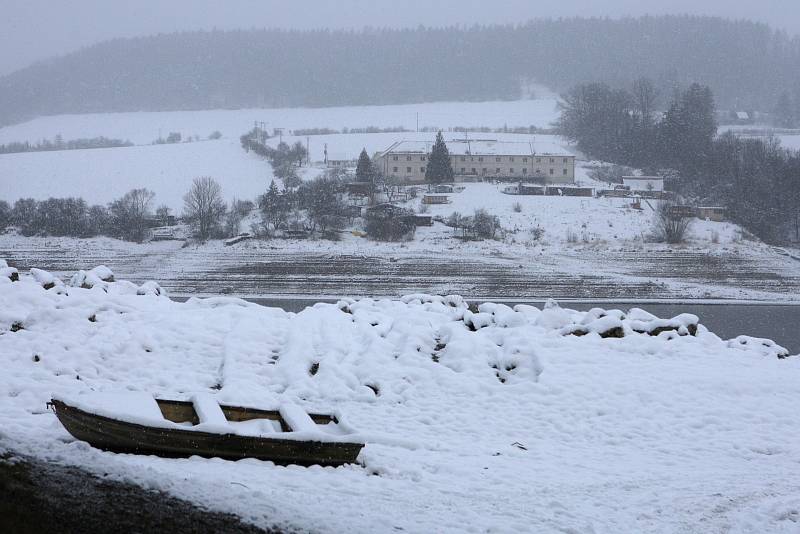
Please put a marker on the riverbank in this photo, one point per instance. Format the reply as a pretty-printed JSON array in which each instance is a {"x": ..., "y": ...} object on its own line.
[{"x": 485, "y": 270}]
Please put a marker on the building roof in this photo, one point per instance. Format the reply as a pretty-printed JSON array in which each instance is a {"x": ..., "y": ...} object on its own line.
[{"x": 479, "y": 147}]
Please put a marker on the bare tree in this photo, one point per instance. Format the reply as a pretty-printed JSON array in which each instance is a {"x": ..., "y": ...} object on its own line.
[
  {"x": 203, "y": 206},
  {"x": 129, "y": 214},
  {"x": 670, "y": 225}
]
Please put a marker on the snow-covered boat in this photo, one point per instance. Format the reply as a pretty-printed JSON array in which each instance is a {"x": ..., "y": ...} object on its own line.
[{"x": 133, "y": 424}]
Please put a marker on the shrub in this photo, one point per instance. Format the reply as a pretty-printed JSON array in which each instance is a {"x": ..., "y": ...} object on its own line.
[
  {"x": 485, "y": 225},
  {"x": 384, "y": 227},
  {"x": 670, "y": 226},
  {"x": 517, "y": 207}
]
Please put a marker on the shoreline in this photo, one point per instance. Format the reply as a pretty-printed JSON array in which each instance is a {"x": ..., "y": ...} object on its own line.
[{"x": 40, "y": 496}]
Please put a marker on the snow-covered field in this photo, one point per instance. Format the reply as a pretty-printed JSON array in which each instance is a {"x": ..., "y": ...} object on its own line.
[
  {"x": 582, "y": 434},
  {"x": 145, "y": 127},
  {"x": 102, "y": 175}
]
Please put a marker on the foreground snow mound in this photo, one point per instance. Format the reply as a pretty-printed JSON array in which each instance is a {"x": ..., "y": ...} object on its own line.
[{"x": 463, "y": 408}]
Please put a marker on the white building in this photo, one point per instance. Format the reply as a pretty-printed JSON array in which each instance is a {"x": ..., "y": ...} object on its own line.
[{"x": 474, "y": 159}]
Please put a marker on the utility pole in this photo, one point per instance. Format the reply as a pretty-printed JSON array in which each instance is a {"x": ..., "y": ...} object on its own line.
[
  {"x": 308, "y": 151},
  {"x": 417, "y": 121}
]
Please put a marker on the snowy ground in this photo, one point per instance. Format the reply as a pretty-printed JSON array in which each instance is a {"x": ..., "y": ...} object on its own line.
[
  {"x": 145, "y": 127},
  {"x": 657, "y": 434},
  {"x": 789, "y": 138},
  {"x": 102, "y": 175}
]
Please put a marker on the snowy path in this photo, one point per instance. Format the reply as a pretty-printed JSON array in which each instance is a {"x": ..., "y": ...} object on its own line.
[{"x": 657, "y": 434}]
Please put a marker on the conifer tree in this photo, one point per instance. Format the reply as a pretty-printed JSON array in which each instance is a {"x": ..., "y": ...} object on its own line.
[
  {"x": 439, "y": 169},
  {"x": 364, "y": 170}
]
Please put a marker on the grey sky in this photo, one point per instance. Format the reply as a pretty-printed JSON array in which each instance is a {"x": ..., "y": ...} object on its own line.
[{"x": 35, "y": 29}]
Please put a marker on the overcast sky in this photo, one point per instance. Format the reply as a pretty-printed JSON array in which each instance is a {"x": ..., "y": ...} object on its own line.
[{"x": 35, "y": 29}]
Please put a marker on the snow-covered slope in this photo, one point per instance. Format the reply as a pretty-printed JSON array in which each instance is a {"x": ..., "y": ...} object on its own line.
[
  {"x": 102, "y": 175},
  {"x": 489, "y": 421},
  {"x": 144, "y": 127}
]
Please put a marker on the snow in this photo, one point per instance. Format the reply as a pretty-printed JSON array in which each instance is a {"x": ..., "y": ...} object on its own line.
[
  {"x": 505, "y": 428},
  {"x": 145, "y": 127},
  {"x": 102, "y": 175}
]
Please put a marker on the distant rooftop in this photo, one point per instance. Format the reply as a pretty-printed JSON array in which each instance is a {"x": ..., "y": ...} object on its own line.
[{"x": 480, "y": 147}]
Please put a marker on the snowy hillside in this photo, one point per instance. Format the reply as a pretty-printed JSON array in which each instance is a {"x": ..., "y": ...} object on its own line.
[
  {"x": 493, "y": 421},
  {"x": 102, "y": 175},
  {"x": 144, "y": 127}
]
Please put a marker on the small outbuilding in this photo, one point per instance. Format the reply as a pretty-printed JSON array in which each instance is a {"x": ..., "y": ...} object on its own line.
[{"x": 435, "y": 199}]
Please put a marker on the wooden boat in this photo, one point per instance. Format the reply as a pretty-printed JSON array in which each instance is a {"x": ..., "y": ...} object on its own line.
[{"x": 117, "y": 435}]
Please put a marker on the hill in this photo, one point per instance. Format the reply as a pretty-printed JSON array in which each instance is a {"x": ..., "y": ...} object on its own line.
[{"x": 747, "y": 65}]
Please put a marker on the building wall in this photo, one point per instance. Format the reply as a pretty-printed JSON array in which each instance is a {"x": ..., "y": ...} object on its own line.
[{"x": 553, "y": 169}]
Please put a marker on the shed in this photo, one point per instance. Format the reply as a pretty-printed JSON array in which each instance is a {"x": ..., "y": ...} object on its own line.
[
  {"x": 712, "y": 213},
  {"x": 435, "y": 199}
]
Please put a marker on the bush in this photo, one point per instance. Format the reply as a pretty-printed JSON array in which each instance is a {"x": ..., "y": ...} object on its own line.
[
  {"x": 517, "y": 207},
  {"x": 485, "y": 225},
  {"x": 669, "y": 226},
  {"x": 537, "y": 233},
  {"x": 216, "y": 134},
  {"x": 390, "y": 228}
]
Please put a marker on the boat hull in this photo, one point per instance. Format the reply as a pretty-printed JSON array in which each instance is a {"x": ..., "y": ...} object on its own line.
[{"x": 121, "y": 436}]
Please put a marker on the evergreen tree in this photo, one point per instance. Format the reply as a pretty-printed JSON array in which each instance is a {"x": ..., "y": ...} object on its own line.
[
  {"x": 783, "y": 114},
  {"x": 274, "y": 206},
  {"x": 439, "y": 169},
  {"x": 364, "y": 170}
]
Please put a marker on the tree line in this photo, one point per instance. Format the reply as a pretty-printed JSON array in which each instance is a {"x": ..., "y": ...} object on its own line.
[
  {"x": 748, "y": 65},
  {"x": 58, "y": 143},
  {"x": 756, "y": 179}
]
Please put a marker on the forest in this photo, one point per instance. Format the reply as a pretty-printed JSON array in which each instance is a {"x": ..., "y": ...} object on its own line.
[{"x": 748, "y": 65}]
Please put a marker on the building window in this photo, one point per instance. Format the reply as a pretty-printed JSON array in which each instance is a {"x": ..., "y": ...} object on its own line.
[
  {"x": 512, "y": 159},
  {"x": 538, "y": 160},
  {"x": 538, "y": 171},
  {"x": 497, "y": 160},
  {"x": 474, "y": 170},
  {"x": 463, "y": 158},
  {"x": 565, "y": 172},
  {"x": 422, "y": 158},
  {"x": 422, "y": 169},
  {"x": 524, "y": 160},
  {"x": 552, "y": 160},
  {"x": 524, "y": 170},
  {"x": 552, "y": 171},
  {"x": 497, "y": 170},
  {"x": 408, "y": 158},
  {"x": 394, "y": 158},
  {"x": 463, "y": 170},
  {"x": 511, "y": 171},
  {"x": 395, "y": 169},
  {"x": 484, "y": 170},
  {"x": 408, "y": 170},
  {"x": 480, "y": 159},
  {"x": 566, "y": 160}
]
